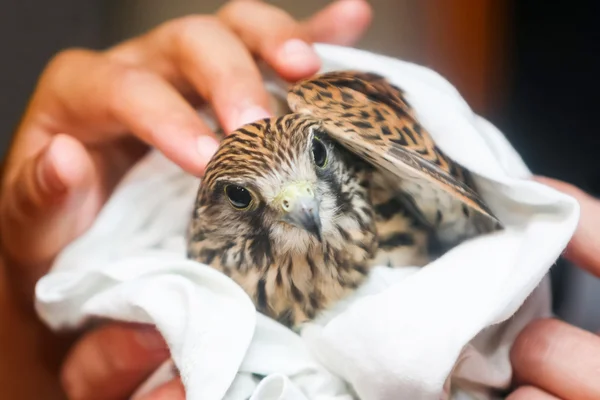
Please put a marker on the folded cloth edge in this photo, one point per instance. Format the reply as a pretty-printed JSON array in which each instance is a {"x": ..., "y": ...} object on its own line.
[{"x": 513, "y": 180}]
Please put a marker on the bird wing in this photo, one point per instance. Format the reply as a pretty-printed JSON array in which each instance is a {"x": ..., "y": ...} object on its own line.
[{"x": 369, "y": 116}]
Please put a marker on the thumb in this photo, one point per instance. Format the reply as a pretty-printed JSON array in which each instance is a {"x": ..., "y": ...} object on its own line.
[
  {"x": 584, "y": 247},
  {"x": 41, "y": 207}
]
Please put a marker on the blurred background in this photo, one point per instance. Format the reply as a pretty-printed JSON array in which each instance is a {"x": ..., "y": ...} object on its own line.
[{"x": 528, "y": 66}]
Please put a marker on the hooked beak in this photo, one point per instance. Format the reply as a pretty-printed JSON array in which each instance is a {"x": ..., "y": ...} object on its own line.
[{"x": 301, "y": 208}]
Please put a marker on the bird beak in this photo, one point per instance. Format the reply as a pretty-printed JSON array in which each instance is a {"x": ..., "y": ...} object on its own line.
[{"x": 300, "y": 207}]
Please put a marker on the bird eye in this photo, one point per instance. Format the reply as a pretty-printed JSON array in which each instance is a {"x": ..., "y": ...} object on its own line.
[
  {"x": 239, "y": 197},
  {"x": 319, "y": 152}
]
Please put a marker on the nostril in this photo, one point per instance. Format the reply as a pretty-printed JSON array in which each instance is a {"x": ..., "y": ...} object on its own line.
[
  {"x": 286, "y": 204},
  {"x": 309, "y": 191}
]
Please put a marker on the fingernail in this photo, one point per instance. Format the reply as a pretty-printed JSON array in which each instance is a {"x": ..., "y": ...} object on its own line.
[
  {"x": 151, "y": 340},
  {"x": 47, "y": 174},
  {"x": 207, "y": 147},
  {"x": 251, "y": 114},
  {"x": 297, "y": 51}
]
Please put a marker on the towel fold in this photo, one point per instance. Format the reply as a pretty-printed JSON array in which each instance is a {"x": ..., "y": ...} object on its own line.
[{"x": 439, "y": 332}]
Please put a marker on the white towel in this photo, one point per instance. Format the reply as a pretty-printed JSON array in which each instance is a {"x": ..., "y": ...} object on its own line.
[{"x": 440, "y": 332}]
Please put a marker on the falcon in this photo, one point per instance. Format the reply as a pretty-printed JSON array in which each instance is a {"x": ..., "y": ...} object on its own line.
[{"x": 298, "y": 208}]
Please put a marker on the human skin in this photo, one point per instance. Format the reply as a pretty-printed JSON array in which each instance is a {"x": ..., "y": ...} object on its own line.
[
  {"x": 91, "y": 117},
  {"x": 552, "y": 359}
]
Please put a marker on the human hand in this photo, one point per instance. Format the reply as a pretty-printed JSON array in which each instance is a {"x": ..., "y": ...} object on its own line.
[
  {"x": 552, "y": 359},
  {"x": 93, "y": 115},
  {"x": 92, "y": 111}
]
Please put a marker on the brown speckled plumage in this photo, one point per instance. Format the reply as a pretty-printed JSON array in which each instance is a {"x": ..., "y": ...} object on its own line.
[{"x": 383, "y": 195}]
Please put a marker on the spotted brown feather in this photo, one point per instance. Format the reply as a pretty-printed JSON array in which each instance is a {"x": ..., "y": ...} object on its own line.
[
  {"x": 372, "y": 118},
  {"x": 375, "y": 151}
]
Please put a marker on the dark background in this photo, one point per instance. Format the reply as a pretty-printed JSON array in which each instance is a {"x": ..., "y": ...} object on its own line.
[
  {"x": 31, "y": 32},
  {"x": 549, "y": 108},
  {"x": 551, "y": 117}
]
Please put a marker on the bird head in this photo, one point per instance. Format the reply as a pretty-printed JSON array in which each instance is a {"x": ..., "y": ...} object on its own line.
[{"x": 280, "y": 179}]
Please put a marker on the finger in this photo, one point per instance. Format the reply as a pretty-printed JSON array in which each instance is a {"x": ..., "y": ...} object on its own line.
[
  {"x": 558, "y": 358},
  {"x": 530, "y": 393},
  {"x": 39, "y": 203},
  {"x": 160, "y": 116},
  {"x": 171, "y": 390},
  {"x": 218, "y": 66},
  {"x": 284, "y": 43},
  {"x": 584, "y": 247},
  {"x": 281, "y": 43},
  {"x": 97, "y": 99},
  {"x": 111, "y": 362}
]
